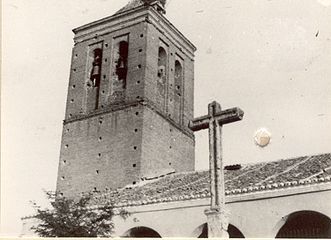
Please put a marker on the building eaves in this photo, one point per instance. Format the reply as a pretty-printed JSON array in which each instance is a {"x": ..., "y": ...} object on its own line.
[{"x": 252, "y": 178}]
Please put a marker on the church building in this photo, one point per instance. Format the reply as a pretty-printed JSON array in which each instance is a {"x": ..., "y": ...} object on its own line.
[{"x": 126, "y": 136}]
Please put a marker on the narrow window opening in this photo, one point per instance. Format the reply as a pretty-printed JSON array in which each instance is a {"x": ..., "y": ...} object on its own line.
[
  {"x": 136, "y": 130},
  {"x": 62, "y": 178},
  {"x": 74, "y": 86},
  {"x": 162, "y": 65},
  {"x": 138, "y": 82},
  {"x": 140, "y": 50},
  {"x": 96, "y": 69},
  {"x": 137, "y": 113},
  {"x": 141, "y": 35},
  {"x": 122, "y": 61},
  {"x": 135, "y": 147},
  {"x": 178, "y": 90},
  {"x": 134, "y": 165},
  {"x": 134, "y": 183},
  {"x": 178, "y": 75},
  {"x": 97, "y": 171}
]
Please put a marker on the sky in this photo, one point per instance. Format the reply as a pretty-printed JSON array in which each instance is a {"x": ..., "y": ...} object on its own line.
[{"x": 271, "y": 58}]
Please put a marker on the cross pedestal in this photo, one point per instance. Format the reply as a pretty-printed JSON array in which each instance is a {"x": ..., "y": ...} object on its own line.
[
  {"x": 217, "y": 218},
  {"x": 218, "y": 222}
]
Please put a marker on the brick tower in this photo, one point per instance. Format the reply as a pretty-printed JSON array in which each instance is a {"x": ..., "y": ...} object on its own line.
[{"x": 130, "y": 98}]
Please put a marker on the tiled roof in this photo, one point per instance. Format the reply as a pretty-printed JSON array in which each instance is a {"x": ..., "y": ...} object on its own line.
[{"x": 285, "y": 173}]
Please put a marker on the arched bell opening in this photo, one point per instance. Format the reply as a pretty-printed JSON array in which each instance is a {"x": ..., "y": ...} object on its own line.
[
  {"x": 178, "y": 92},
  {"x": 162, "y": 65}
]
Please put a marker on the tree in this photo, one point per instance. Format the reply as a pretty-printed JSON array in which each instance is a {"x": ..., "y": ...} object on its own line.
[{"x": 74, "y": 218}]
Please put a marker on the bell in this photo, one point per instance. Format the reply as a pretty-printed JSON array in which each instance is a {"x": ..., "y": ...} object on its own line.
[
  {"x": 121, "y": 65},
  {"x": 95, "y": 70}
]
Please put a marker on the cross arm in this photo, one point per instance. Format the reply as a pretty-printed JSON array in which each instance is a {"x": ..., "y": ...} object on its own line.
[
  {"x": 223, "y": 117},
  {"x": 230, "y": 115}
]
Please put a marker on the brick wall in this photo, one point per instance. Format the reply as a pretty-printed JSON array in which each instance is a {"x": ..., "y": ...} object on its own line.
[
  {"x": 109, "y": 143},
  {"x": 165, "y": 147},
  {"x": 79, "y": 101}
]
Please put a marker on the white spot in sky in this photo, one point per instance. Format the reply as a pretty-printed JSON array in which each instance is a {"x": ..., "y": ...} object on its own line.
[{"x": 262, "y": 137}]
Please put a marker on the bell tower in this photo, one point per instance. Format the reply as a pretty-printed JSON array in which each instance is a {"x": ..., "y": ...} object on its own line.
[{"x": 130, "y": 98}]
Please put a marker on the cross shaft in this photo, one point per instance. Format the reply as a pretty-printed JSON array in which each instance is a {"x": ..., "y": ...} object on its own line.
[{"x": 216, "y": 118}]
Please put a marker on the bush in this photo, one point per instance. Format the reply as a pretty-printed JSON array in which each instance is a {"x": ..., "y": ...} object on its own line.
[{"x": 74, "y": 218}]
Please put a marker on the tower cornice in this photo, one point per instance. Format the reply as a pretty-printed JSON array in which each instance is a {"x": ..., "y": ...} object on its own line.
[
  {"x": 132, "y": 17},
  {"x": 121, "y": 106}
]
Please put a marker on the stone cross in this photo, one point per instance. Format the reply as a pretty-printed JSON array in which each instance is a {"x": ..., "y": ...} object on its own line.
[{"x": 217, "y": 218}]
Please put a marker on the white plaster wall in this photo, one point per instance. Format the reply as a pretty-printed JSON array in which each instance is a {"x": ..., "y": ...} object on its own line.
[{"x": 253, "y": 217}]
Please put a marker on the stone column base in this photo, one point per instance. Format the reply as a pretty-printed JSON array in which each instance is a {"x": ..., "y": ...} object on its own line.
[{"x": 218, "y": 221}]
